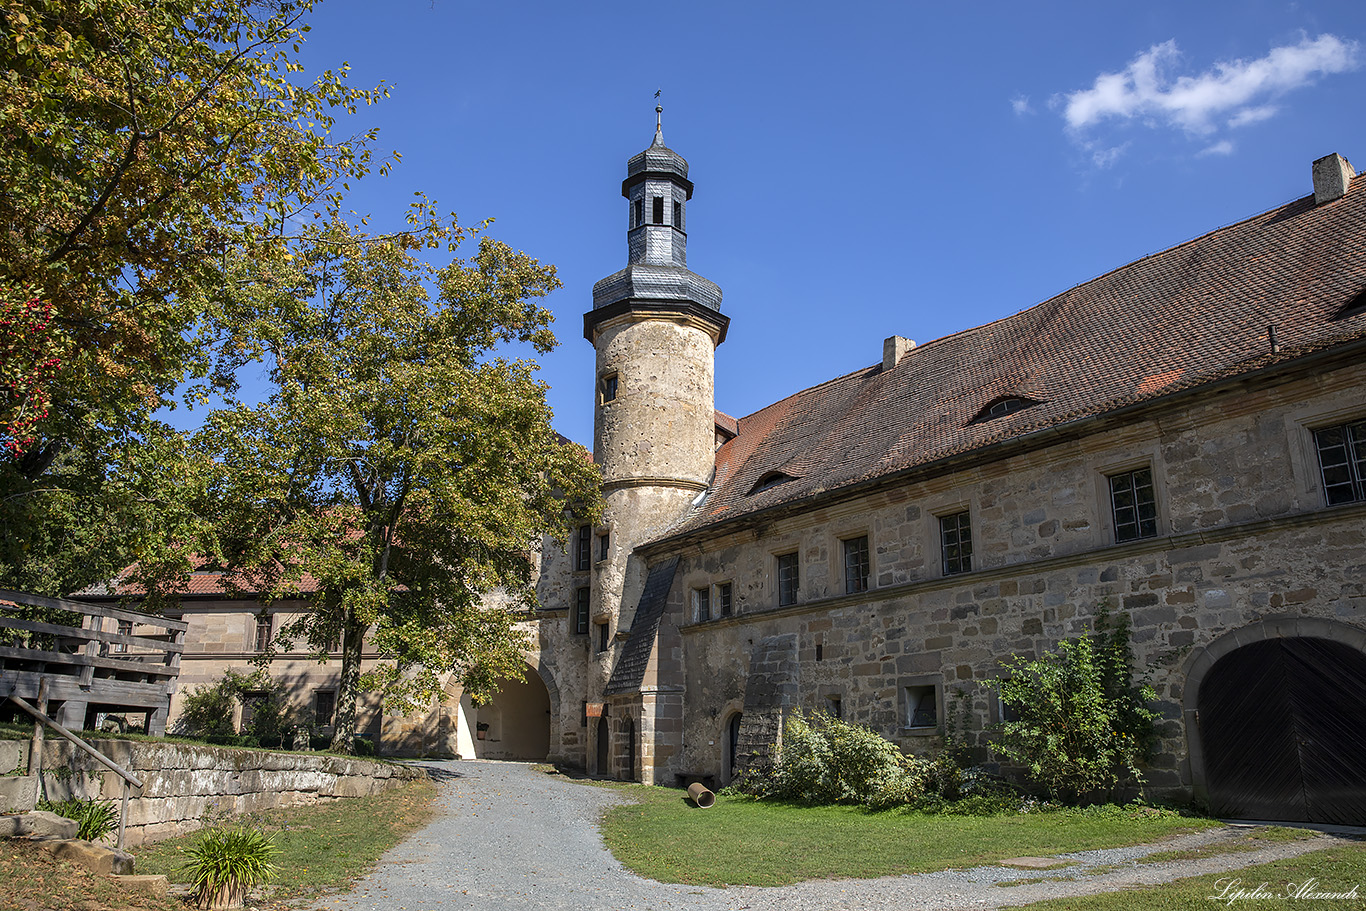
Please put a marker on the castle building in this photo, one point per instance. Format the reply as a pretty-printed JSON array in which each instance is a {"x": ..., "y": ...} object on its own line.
[{"x": 1182, "y": 440}]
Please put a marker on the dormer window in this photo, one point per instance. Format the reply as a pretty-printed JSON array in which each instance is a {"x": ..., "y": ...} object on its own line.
[
  {"x": 659, "y": 210},
  {"x": 1003, "y": 405},
  {"x": 769, "y": 480}
]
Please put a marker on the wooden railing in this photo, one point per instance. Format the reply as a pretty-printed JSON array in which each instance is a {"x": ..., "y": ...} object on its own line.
[{"x": 89, "y": 666}]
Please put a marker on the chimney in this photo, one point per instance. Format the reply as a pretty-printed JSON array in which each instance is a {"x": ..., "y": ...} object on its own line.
[
  {"x": 894, "y": 349},
  {"x": 1332, "y": 175}
]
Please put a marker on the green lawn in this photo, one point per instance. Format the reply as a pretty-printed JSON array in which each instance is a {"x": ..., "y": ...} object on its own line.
[
  {"x": 322, "y": 847},
  {"x": 1336, "y": 870},
  {"x": 746, "y": 842}
]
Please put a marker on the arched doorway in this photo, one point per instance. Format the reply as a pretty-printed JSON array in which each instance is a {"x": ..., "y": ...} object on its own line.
[
  {"x": 732, "y": 745},
  {"x": 628, "y": 727},
  {"x": 604, "y": 742},
  {"x": 517, "y": 719},
  {"x": 1282, "y": 725}
]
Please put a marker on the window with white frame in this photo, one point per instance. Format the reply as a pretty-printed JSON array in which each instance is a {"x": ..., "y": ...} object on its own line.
[
  {"x": 701, "y": 604},
  {"x": 1133, "y": 504},
  {"x": 1342, "y": 462},
  {"x": 955, "y": 539},
  {"x": 856, "y": 566},
  {"x": 724, "y": 606}
]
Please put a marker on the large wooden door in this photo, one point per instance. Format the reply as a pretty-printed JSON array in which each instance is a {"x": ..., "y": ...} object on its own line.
[{"x": 1283, "y": 725}]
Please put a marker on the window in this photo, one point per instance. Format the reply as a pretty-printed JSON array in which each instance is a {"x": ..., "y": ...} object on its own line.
[
  {"x": 701, "y": 604},
  {"x": 324, "y": 706},
  {"x": 639, "y": 213},
  {"x": 604, "y": 637},
  {"x": 856, "y": 564},
  {"x": 1004, "y": 405},
  {"x": 252, "y": 702},
  {"x": 678, "y": 214},
  {"x": 658, "y": 210},
  {"x": 1134, "y": 504},
  {"x": 834, "y": 706},
  {"x": 955, "y": 536},
  {"x": 921, "y": 705},
  {"x": 723, "y": 604},
  {"x": 1342, "y": 461},
  {"x": 263, "y": 632},
  {"x": 583, "y": 549},
  {"x": 581, "y": 596},
  {"x": 125, "y": 629},
  {"x": 609, "y": 388},
  {"x": 787, "y": 579},
  {"x": 604, "y": 545},
  {"x": 770, "y": 479}
]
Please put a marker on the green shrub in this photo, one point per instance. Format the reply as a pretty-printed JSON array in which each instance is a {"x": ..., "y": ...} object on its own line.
[
  {"x": 826, "y": 760},
  {"x": 97, "y": 818},
  {"x": 225, "y": 863},
  {"x": 1083, "y": 725},
  {"x": 208, "y": 710}
]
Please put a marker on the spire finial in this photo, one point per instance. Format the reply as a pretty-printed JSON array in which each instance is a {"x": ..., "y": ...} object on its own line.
[{"x": 659, "y": 121}]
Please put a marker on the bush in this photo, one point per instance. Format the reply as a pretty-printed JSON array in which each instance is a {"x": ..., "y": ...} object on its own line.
[
  {"x": 208, "y": 710},
  {"x": 227, "y": 862},
  {"x": 1083, "y": 725},
  {"x": 826, "y": 760},
  {"x": 97, "y": 818}
]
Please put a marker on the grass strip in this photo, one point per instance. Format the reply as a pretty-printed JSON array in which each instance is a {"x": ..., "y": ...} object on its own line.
[
  {"x": 1295, "y": 882},
  {"x": 741, "y": 841},
  {"x": 323, "y": 847}
]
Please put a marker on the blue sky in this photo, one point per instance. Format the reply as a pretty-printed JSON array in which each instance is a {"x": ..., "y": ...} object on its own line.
[{"x": 862, "y": 169}]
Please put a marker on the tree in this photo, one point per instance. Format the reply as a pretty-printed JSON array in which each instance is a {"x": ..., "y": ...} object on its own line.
[
  {"x": 1082, "y": 724},
  {"x": 399, "y": 470},
  {"x": 147, "y": 145}
]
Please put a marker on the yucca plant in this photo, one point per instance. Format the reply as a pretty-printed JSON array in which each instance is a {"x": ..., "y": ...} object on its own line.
[
  {"x": 226, "y": 863},
  {"x": 97, "y": 818}
]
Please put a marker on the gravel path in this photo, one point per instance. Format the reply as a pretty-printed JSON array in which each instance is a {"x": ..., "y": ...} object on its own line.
[{"x": 508, "y": 837}]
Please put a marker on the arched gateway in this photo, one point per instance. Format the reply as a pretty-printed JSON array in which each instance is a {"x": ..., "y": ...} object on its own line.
[
  {"x": 1280, "y": 723},
  {"x": 515, "y": 724}
]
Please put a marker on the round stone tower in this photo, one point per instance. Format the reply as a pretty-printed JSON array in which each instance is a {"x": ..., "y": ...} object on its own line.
[{"x": 656, "y": 326}]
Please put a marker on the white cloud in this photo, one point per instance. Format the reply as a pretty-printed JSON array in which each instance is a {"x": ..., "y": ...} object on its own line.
[
  {"x": 1253, "y": 115},
  {"x": 1222, "y": 147},
  {"x": 1237, "y": 90},
  {"x": 1020, "y": 105},
  {"x": 1103, "y": 158}
]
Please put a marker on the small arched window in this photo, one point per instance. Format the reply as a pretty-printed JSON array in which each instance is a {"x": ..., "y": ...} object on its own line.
[
  {"x": 1003, "y": 405},
  {"x": 769, "y": 480}
]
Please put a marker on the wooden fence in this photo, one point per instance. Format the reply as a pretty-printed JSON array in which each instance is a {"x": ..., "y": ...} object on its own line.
[{"x": 95, "y": 658}]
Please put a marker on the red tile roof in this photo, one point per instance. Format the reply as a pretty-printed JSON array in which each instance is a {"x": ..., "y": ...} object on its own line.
[
  {"x": 201, "y": 581},
  {"x": 1178, "y": 319}
]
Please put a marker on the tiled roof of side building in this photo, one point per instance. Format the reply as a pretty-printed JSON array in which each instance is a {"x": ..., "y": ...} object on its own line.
[{"x": 1188, "y": 316}]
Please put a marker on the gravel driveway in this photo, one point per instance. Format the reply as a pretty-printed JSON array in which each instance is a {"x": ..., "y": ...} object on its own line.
[{"x": 509, "y": 837}]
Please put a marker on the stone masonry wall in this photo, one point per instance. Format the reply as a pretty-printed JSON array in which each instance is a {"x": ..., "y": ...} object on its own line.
[
  {"x": 1243, "y": 537},
  {"x": 183, "y": 782}
]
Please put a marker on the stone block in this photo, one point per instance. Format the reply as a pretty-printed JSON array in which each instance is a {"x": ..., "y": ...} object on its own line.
[
  {"x": 97, "y": 858},
  {"x": 39, "y": 824},
  {"x": 18, "y": 792},
  {"x": 148, "y": 884}
]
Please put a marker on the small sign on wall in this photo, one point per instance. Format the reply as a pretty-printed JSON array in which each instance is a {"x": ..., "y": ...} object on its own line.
[{"x": 596, "y": 709}]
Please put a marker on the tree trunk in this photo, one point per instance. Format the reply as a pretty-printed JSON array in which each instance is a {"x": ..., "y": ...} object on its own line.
[{"x": 344, "y": 721}]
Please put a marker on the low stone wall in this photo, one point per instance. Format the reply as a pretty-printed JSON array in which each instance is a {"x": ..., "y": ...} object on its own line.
[{"x": 183, "y": 784}]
